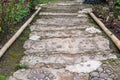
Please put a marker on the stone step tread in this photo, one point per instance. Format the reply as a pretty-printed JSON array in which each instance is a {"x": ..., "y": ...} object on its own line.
[
  {"x": 59, "y": 26},
  {"x": 63, "y": 21},
  {"x": 46, "y": 73},
  {"x": 64, "y": 59},
  {"x": 71, "y": 8},
  {"x": 62, "y": 74},
  {"x": 37, "y": 35},
  {"x": 63, "y": 6},
  {"x": 39, "y": 27},
  {"x": 58, "y": 14},
  {"x": 68, "y": 45}
]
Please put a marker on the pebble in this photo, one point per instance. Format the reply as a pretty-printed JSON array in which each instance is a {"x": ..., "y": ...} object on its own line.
[
  {"x": 95, "y": 78},
  {"x": 77, "y": 78},
  {"x": 100, "y": 69},
  {"x": 103, "y": 74},
  {"x": 95, "y": 74},
  {"x": 40, "y": 75}
]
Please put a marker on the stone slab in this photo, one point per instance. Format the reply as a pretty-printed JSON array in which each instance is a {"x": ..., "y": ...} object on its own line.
[
  {"x": 47, "y": 74},
  {"x": 68, "y": 45},
  {"x": 57, "y": 14},
  {"x": 64, "y": 59},
  {"x": 61, "y": 34},
  {"x": 39, "y": 27},
  {"x": 63, "y": 21},
  {"x": 65, "y": 8}
]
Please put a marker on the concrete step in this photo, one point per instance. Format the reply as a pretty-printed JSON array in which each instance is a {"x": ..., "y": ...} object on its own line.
[
  {"x": 57, "y": 14},
  {"x": 46, "y": 74},
  {"x": 49, "y": 15},
  {"x": 65, "y": 7},
  {"x": 63, "y": 21},
  {"x": 40, "y": 27},
  {"x": 106, "y": 70},
  {"x": 75, "y": 45},
  {"x": 62, "y": 34},
  {"x": 62, "y": 60}
]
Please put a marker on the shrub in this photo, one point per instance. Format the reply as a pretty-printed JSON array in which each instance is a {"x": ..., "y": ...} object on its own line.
[
  {"x": 12, "y": 12},
  {"x": 117, "y": 9}
]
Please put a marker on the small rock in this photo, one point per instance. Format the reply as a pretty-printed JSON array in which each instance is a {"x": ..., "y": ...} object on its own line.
[
  {"x": 40, "y": 74},
  {"x": 92, "y": 30},
  {"x": 51, "y": 76},
  {"x": 100, "y": 69},
  {"x": 110, "y": 79},
  {"x": 94, "y": 74},
  {"x": 87, "y": 10},
  {"x": 95, "y": 78},
  {"x": 108, "y": 71},
  {"x": 104, "y": 75},
  {"x": 11, "y": 78},
  {"x": 112, "y": 76},
  {"x": 77, "y": 78},
  {"x": 34, "y": 37}
]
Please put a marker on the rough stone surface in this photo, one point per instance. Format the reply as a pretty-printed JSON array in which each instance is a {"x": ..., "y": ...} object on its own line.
[
  {"x": 68, "y": 45},
  {"x": 103, "y": 73},
  {"x": 41, "y": 27},
  {"x": 85, "y": 67},
  {"x": 92, "y": 30},
  {"x": 32, "y": 60},
  {"x": 64, "y": 45},
  {"x": 62, "y": 21}
]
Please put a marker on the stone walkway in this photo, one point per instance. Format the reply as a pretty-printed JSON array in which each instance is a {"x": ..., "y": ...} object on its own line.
[{"x": 64, "y": 45}]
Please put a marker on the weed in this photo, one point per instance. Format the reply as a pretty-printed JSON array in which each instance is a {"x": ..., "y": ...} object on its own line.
[
  {"x": 21, "y": 66},
  {"x": 3, "y": 77}
]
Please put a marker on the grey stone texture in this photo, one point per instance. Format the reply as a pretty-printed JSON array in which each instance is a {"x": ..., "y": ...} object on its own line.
[{"x": 63, "y": 36}]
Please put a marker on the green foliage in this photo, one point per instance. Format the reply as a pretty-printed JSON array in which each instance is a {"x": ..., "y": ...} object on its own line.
[
  {"x": 12, "y": 13},
  {"x": 21, "y": 66},
  {"x": 117, "y": 9},
  {"x": 22, "y": 12},
  {"x": 3, "y": 77},
  {"x": 117, "y": 4},
  {"x": 36, "y": 2}
]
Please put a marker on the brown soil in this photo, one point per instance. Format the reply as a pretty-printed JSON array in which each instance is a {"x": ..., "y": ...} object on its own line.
[{"x": 108, "y": 17}]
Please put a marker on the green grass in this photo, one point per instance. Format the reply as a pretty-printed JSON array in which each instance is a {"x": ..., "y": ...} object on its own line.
[
  {"x": 3, "y": 77},
  {"x": 46, "y": 1},
  {"x": 43, "y": 1},
  {"x": 21, "y": 66},
  {"x": 9, "y": 62}
]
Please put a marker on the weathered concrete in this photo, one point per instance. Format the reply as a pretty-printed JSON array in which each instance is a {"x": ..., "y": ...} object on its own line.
[
  {"x": 40, "y": 27},
  {"x": 64, "y": 45},
  {"x": 74, "y": 45}
]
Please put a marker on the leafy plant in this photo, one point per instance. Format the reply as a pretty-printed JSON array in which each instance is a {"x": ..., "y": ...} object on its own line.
[
  {"x": 21, "y": 66},
  {"x": 117, "y": 4},
  {"x": 3, "y": 77},
  {"x": 117, "y": 9}
]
